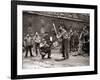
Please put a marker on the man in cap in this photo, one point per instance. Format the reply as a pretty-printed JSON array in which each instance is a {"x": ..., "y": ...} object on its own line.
[
  {"x": 37, "y": 40},
  {"x": 28, "y": 42},
  {"x": 64, "y": 35}
]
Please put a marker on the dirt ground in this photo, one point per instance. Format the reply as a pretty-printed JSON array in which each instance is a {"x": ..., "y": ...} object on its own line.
[{"x": 56, "y": 61}]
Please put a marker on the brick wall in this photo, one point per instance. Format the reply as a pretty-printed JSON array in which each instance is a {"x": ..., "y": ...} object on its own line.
[{"x": 35, "y": 22}]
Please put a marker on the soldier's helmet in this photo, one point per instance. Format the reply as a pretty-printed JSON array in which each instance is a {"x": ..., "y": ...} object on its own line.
[
  {"x": 36, "y": 33},
  {"x": 27, "y": 35}
]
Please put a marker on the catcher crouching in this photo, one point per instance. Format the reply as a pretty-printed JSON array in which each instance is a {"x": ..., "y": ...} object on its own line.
[{"x": 45, "y": 48}]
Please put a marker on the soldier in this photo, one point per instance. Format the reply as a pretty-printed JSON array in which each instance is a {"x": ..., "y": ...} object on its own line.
[
  {"x": 64, "y": 35},
  {"x": 76, "y": 40},
  {"x": 48, "y": 42},
  {"x": 75, "y": 43},
  {"x": 28, "y": 43},
  {"x": 37, "y": 40},
  {"x": 70, "y": 40},
  {"x": 84, "y": 41}
]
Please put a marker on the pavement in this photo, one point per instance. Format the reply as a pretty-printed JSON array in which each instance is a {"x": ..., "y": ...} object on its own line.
[{"x": 56, "y": 60}]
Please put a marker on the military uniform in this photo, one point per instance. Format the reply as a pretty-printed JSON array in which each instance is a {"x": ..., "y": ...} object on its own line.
[
  {"x": 65, "y": 39},
  {"x": 37, "y": 43},
  {"x": 28, "y": 45},
  {"x": 48, "y": 42}
]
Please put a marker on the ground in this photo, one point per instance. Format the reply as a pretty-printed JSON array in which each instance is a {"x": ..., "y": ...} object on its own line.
[{"x": 56, "y": 61}]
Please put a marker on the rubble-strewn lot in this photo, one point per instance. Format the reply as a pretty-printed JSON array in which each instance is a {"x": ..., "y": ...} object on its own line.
[{"x": 56, "y": 61}]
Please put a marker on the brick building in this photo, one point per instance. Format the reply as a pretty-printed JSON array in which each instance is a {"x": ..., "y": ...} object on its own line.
[{"x": 43, "y": 21}]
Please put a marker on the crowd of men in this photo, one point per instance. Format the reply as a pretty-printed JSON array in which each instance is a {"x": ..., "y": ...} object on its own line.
[{"x": 71, "y": 41}]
